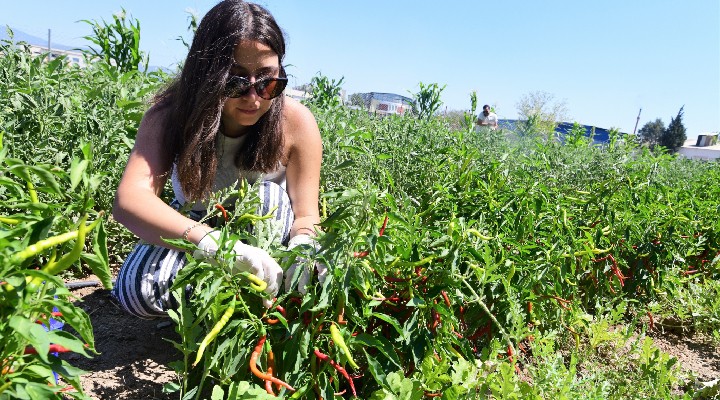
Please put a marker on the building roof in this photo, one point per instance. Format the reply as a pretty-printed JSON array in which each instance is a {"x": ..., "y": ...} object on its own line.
[
  {"x": 389, "y": 97},
  {"x": 692, "y": 143}
]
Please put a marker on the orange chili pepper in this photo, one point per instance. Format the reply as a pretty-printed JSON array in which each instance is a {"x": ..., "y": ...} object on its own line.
[{"x": 224, "y": 212}]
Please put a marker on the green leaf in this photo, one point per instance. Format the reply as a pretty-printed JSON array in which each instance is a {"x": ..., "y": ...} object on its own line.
[
  {"x": 99, "y": 262},
  {"x": 217, "y": 393},
  {"x": 171, "y": 387},
  {"x": 76, "y": 318},
  {"x": 345, "y": 164},
  {"x": 380, "y": 343},
  {"x": 400, "y": 388},
  {"x": 34, "y": 333},
  {"x": 354, "y": 149},
  {"x": 77, "y": 169},
  {"x": 68, "y": 341}
]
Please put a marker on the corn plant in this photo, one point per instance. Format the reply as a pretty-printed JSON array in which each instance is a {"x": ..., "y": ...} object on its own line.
[
  {"x": 325, "y": 92},
  {"x": 426, "y": 102},
  {"x": 118, "y": 43}
]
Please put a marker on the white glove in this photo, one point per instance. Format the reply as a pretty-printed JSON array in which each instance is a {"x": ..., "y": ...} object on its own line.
[
  {"x": 247, "y": 259},
  {"x": 302, "y": 262}
]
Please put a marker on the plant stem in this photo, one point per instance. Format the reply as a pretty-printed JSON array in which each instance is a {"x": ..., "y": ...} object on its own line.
[{"x": 492, "y": 317}]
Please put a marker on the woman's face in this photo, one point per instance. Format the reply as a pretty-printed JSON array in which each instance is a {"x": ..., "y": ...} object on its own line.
[{"x": 253, "y": 60}]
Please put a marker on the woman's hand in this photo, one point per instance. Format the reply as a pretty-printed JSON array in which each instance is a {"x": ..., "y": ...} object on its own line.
[
  {"x": 302, "y": 262},
  {"x": 246, "y": 259}
]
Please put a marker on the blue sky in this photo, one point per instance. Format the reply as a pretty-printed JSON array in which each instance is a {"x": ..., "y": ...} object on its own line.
[{"x": 605, "y": 60}]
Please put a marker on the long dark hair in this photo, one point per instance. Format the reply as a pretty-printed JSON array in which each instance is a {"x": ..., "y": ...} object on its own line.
[{"x": 194, "y": 100}]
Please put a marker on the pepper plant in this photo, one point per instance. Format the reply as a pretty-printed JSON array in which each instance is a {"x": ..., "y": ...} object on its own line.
[{"x": 47, "y": 218}]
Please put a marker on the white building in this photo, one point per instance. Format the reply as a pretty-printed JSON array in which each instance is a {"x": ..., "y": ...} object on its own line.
[
  {"x": 705, "y": 147},
  {"x": 297, "y": 94},
  {"x": 386, "y": 103},
  {"x": 71, "y": 56},
  {"x": 39, "y": 46}
]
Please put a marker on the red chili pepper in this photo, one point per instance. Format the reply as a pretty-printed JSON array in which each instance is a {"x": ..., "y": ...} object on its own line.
[
  {"x": 436, "y": 321},
  {"x": 53, "y": 314},
  {"x": 612, "y": 289},
  {"x": 384, "y": 225},
  {"x": 511, "y": 358},
  {"x": 482, "y": 331},
  {"x": 614, "y": 268},
  {"x": 54, "y": 348},
  {"x": 522, "y": 347},
  {"x": 562, "y": 302},
  {"x": 254, "y": 369},
  {"x": 361, "y": 254},
  {"x": 338, "y": 368},
  {"x": 270, "y": 368},
  {"x": 446, "y": 298},
  {"x": 224, "y": 212}
]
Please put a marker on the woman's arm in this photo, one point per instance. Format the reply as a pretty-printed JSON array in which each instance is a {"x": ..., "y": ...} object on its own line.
[
  {"x": 138, "y": 205},
  {"x": 304, "y": 152}
]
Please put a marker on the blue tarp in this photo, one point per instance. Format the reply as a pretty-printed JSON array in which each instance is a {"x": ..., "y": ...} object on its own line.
[{"x": 600, "y": 135}]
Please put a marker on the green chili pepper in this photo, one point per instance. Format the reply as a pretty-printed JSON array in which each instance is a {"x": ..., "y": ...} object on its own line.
[
  {"x": 256, "y": 283},
  {"x": 9, "y": 221},
  {"x": 68, "y": 259},
  {"x": 216, "y": 330},
  {"x": 42, "y": 245},
  {"x": 340, "y": 342}
]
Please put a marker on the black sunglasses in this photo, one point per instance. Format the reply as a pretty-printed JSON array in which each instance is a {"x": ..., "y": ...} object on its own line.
[{"x": 267, "y": 88}]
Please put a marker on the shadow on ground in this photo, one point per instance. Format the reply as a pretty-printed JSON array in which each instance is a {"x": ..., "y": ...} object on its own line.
[{"x": 134, "y": 353}]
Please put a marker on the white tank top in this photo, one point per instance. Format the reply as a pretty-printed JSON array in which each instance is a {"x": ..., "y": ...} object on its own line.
[{"x": 227, "y": 173}]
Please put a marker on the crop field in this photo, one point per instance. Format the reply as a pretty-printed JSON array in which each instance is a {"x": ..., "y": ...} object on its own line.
[{"x": 462, "y": 264}]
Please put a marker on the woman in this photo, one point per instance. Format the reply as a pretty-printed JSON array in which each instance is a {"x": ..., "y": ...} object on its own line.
[{"x": 223, "y": 118}]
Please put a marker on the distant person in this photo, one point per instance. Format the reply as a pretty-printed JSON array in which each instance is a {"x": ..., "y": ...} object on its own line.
[{"x": 487, "y": 118}]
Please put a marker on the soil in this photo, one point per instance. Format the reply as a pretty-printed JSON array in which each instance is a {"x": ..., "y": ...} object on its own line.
[{"x": 135, "y": 353}]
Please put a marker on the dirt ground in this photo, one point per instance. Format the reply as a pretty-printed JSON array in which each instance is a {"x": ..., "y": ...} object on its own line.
[{"x": 135, "y": 354}]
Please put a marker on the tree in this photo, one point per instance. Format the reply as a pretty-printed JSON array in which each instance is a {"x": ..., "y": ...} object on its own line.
[
  {"x": 356, "y": 99},
  {"x": 651, "y": 133},
  {"x": 542, "y": 110},
  {"x": 674, "y": 136}
]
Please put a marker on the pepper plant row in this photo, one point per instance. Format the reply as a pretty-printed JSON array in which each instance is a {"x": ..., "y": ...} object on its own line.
[{"x": 446, "y": 251}]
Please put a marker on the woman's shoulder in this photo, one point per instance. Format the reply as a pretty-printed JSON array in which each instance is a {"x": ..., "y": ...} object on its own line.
[
  {"x": 299, "y": 121},
  {"x": 296, "y": 112},
  {"x": 157, "y": 112}
]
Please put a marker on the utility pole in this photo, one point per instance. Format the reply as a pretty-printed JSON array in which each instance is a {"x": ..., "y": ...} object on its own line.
[
  {"x": 636, "y": 121},
  {"x": 49, "y": 54}
]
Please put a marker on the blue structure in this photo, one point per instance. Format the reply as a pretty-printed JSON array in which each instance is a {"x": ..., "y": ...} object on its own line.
[{"x": 601, "y": 135}]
